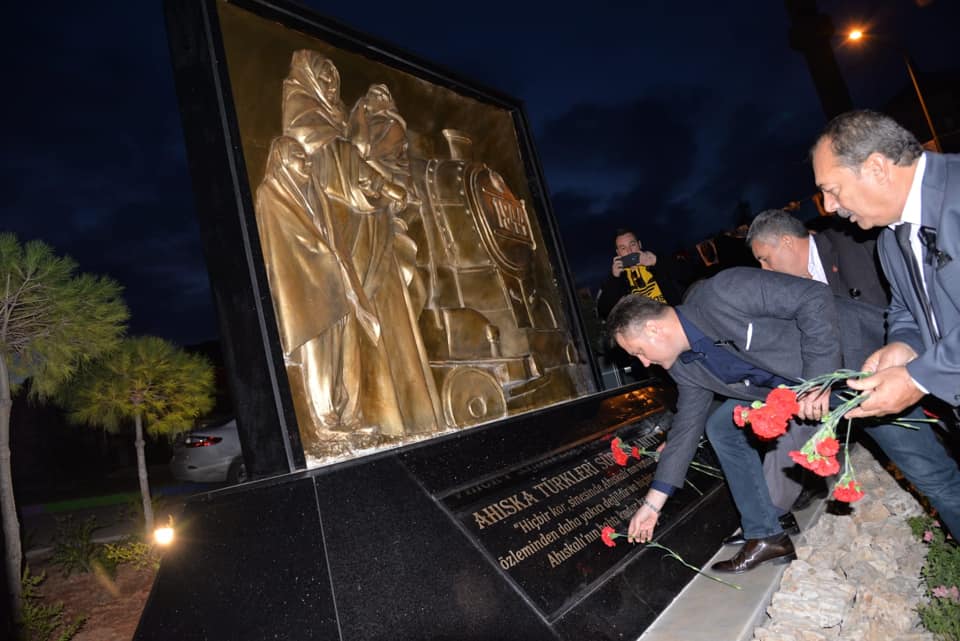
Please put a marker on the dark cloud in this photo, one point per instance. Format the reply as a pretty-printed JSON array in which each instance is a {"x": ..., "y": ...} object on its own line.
[
  {"x": 95, "y": 164},
  {"x": 650, "y": 134},
  {"x": 673, "y": 186},
  {"x": 658, "y": 116},
  {"x": 760, "y": 158}
]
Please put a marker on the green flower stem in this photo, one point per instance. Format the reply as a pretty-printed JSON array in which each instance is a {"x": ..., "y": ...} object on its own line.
[
  {"x": 835, "y": 415},
  {"x": 671, "y": 553},
  {"x": 846, "y": 450},
  {"x": 676, "y": 556},
  {"x": 909, "y": 422},
  {"x": 824, "y": 381},
  {"x": 695, "y": 488},
  {"x": 709, "y": 470}
]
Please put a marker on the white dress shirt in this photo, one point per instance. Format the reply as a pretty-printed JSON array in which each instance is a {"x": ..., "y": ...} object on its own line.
[
  {"x": 814, "y": 265},
  {"x": 912, "y": 215}
]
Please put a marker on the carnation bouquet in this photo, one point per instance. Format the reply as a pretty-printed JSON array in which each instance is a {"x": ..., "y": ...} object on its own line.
[{"x": 769, "y": 419}]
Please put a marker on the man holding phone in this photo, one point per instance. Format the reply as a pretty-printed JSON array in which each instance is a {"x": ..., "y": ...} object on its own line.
[{"x": 636, "y": 271}]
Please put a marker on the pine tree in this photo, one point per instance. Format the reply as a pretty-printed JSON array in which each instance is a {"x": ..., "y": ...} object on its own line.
[
  {"x": 52, "y": 320},
  {"x": 150, "y": 382}
]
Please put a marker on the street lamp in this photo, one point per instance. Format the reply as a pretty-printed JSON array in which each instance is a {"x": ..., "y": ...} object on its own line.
[{"x": 855, "y": 35}]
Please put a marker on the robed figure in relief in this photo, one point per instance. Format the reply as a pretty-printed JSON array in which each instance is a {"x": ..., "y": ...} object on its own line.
[{"x": 341, "y": 268}]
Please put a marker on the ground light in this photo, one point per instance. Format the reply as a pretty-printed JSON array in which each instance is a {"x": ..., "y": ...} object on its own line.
[{"x": 164, "y": 535}]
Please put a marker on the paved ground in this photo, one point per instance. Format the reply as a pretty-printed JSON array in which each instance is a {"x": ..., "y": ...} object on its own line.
[{"x": 708, "y": 611}]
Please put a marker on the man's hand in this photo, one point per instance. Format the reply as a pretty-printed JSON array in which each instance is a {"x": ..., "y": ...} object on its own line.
[
  {"x": 617, "y": 267},
  {"x": 647, "y": 259},
  {"x": 890, "y": 390},
  {"x": 892, "y": 355},
  {"x": 814, "y": 405},
  {"x": 645, "y": 519}
]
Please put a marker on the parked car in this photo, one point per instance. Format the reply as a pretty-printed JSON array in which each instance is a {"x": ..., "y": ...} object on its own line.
[{"x": 209, "y": 455}]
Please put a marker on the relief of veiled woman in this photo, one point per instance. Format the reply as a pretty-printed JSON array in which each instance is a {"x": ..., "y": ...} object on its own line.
[
  {"x": 380, "y": 134},
  {"x": 387, "y": 373},
  {"x": 314, "y": 293}
]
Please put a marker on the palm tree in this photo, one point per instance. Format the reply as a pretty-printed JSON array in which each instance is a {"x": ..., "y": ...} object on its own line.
[{"x": 151, "y": 382}]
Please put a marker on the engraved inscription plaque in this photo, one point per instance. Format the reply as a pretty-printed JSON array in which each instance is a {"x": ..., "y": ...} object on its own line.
[{"x": 541, "y": 523}]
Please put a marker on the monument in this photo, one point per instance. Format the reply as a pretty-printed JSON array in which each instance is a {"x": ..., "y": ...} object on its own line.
[{"x": 416, "y": 398}]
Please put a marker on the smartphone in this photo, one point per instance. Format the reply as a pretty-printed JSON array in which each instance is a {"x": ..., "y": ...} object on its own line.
[{"x": 630, "y": 259}]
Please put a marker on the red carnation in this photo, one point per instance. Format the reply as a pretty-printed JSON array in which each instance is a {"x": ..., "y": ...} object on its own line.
[
  {"x": 767, "y": 423},
  {"x": 828, "y": 447},
  {"x": 635, "y": 453},
  {"x": 619, "y": 455},
  {"x": 784, "y": 400},
  {"x": 848, "y": 493},
  {"x": 606, "y": 535},
  {"x": 741, "y": 415},
  {"x": 801, "y": 459},
  {"x": 826, "y": 466}
]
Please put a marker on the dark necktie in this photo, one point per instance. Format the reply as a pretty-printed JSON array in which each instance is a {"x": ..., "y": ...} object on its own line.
[{"x": 902, "y": 233}]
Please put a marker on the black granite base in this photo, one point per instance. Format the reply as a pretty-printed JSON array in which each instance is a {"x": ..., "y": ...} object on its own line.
[{"x": 489, "y": 534}]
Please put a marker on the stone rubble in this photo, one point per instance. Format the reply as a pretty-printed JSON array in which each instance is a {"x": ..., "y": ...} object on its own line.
[{"x": 857, "y": 575}]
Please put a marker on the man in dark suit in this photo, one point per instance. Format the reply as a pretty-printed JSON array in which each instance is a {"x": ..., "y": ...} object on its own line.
[
  {"x": 781, "y": 243},
  {"x": 874, "y": 172},
  {"x": 739, "y": 335}
]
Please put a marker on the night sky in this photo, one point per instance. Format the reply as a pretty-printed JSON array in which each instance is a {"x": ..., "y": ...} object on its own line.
[{"x": 660, "y": 115}]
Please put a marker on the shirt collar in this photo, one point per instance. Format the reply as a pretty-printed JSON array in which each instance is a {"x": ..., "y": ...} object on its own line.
[
  {"x": 814, "y": 265},
  {"x": 694, "y": 337},
  {"x": 911, "y": 209}
]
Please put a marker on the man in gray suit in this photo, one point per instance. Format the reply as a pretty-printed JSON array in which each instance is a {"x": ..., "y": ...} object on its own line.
[
  {"x": 738, "y": 334},
  {"x": 874, "y": 172},
  {"x": 781, "y": 243}
]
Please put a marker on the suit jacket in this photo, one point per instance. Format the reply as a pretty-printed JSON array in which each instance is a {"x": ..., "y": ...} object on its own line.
[
  {"x": 848, "y": 255},
  {"x": 783, "y": 324},
  {"x": 938, "y": 366},
  {"x": 849, "y": 258}
]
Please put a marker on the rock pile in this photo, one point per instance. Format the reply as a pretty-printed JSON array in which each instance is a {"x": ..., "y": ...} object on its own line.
[{"x": 857, "y": 575}]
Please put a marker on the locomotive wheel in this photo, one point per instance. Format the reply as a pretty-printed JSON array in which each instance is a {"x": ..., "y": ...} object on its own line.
[{"x": 471, "y": 395}]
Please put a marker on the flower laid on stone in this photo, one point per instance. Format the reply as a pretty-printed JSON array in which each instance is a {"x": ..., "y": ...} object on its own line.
[
  {"x": 622, "y": 453},
  {"x": 608, "y": 535},
  {"x": 769, "y": 419}
]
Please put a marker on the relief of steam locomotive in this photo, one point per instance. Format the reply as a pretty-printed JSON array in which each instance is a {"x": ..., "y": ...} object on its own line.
[{"x": 495, "y": 343}]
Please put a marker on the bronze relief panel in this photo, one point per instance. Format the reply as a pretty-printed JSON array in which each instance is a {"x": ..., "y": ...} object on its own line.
[{"x": 412, "y": 288}]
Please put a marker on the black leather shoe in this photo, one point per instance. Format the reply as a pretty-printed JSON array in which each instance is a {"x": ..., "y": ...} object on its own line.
[
  {"x": 772, "y": 549},
  {"x": 787, "y": 521},
  {"x": 807, "y": 496}
]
